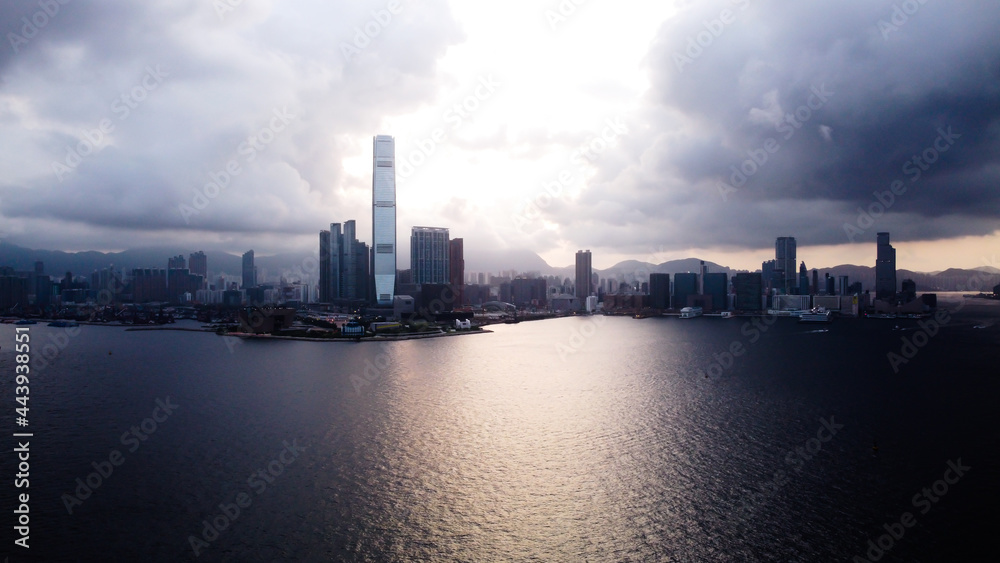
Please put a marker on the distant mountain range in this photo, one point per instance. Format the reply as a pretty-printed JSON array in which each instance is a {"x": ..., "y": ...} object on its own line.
[{"x": 303, "y": 266}]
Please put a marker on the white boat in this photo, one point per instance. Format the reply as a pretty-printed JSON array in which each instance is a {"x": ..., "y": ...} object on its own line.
[{"x": 816, "y": 315}]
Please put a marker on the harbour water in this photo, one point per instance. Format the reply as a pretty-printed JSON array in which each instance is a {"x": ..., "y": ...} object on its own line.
[{"x": 574, "y": 439}]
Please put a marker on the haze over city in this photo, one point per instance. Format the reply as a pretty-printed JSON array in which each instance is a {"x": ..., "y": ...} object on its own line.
[{"x": 652, "y": 131}]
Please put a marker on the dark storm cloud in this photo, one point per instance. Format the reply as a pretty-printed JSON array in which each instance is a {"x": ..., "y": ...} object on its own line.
[
  {"x": 864, "y": 98},
  {"x": 117, "y": 114}
]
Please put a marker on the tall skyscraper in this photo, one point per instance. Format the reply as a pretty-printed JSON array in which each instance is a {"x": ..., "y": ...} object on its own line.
[
  {"x": 885, "y": 268},
  {"x": 584, "y": 277},
  {"x": 343, "y": 264},
  {"x": 716, "y": 285},
  {"x": 659, "y": 291},
  {"x": 685, "y": 285},
  {"x": 249, "y": 270},
  {"x": 198, "y": 263},
  {"x": 324, "y": 267},
  {"x": 429, "y": 254},
  {"x": 749, "y": 288},
  {"x": 784, "y": 260},
  {"x": 384, "y": 218},
  {"x": 456, "y": 265}
]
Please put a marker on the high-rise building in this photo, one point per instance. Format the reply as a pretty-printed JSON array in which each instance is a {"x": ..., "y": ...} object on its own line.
[
  {"x": 885, "y": 268},
  {"x": 685, "y": 285},
  {"x": 715, "y": 285},
  {"x": 176, "y": 263},
  {"x": 749, "y": 288},
  {"x": 324, "y": 267},
  {"x": 659, "y": 291},
  {"x": 842, "y": 285},
  {"x": 803, "y": 280},
  {"x": 249, "y": 270},
  {"x": 784, "y": 260},
  {"x": 456, "y": 265},
  {"x": 198, "y": 263},
  {"x": 429, "y": 253},
  {"x": 584, "y": 278},
  {"x": 343, "y": 264},
  {"x": 384, "y": 218}
]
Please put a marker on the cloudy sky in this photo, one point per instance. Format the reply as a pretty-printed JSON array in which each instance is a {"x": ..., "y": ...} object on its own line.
[{"x": 647, "y": 130}]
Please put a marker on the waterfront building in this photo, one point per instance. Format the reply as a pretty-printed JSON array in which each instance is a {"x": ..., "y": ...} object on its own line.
[
  {"x": 584, "y": 276},
  {"x": 456, "y": 266},
  {"x": 784, "y": 261},
  {"x": 749, "y": 289},
  {"x": 885, "y": 268},
  {"x": 685, "y": 285},
  {"x": 384, "y": 218},
  {"x": 715, "y": 286},
  {"x": 429, "y": 254},
  {"x": 659, "y": 291}
]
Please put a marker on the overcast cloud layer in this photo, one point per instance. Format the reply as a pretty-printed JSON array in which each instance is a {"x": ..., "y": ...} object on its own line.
[{"x": 724, "y": 123}]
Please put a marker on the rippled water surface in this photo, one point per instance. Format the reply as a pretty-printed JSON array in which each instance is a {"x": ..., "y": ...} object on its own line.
[{"x": 575, "y": 439}]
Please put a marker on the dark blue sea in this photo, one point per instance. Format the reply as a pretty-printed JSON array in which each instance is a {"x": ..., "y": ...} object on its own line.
[{"x": 573, "y": 439}]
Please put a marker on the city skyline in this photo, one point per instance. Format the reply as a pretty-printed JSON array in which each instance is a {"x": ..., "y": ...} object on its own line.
[{"x": 669, "y": 140}]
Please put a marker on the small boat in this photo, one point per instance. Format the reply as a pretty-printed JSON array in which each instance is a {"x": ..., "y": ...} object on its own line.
[
  {"x": 26, "y": 322},
  {"x": 64, "y": 324}
]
